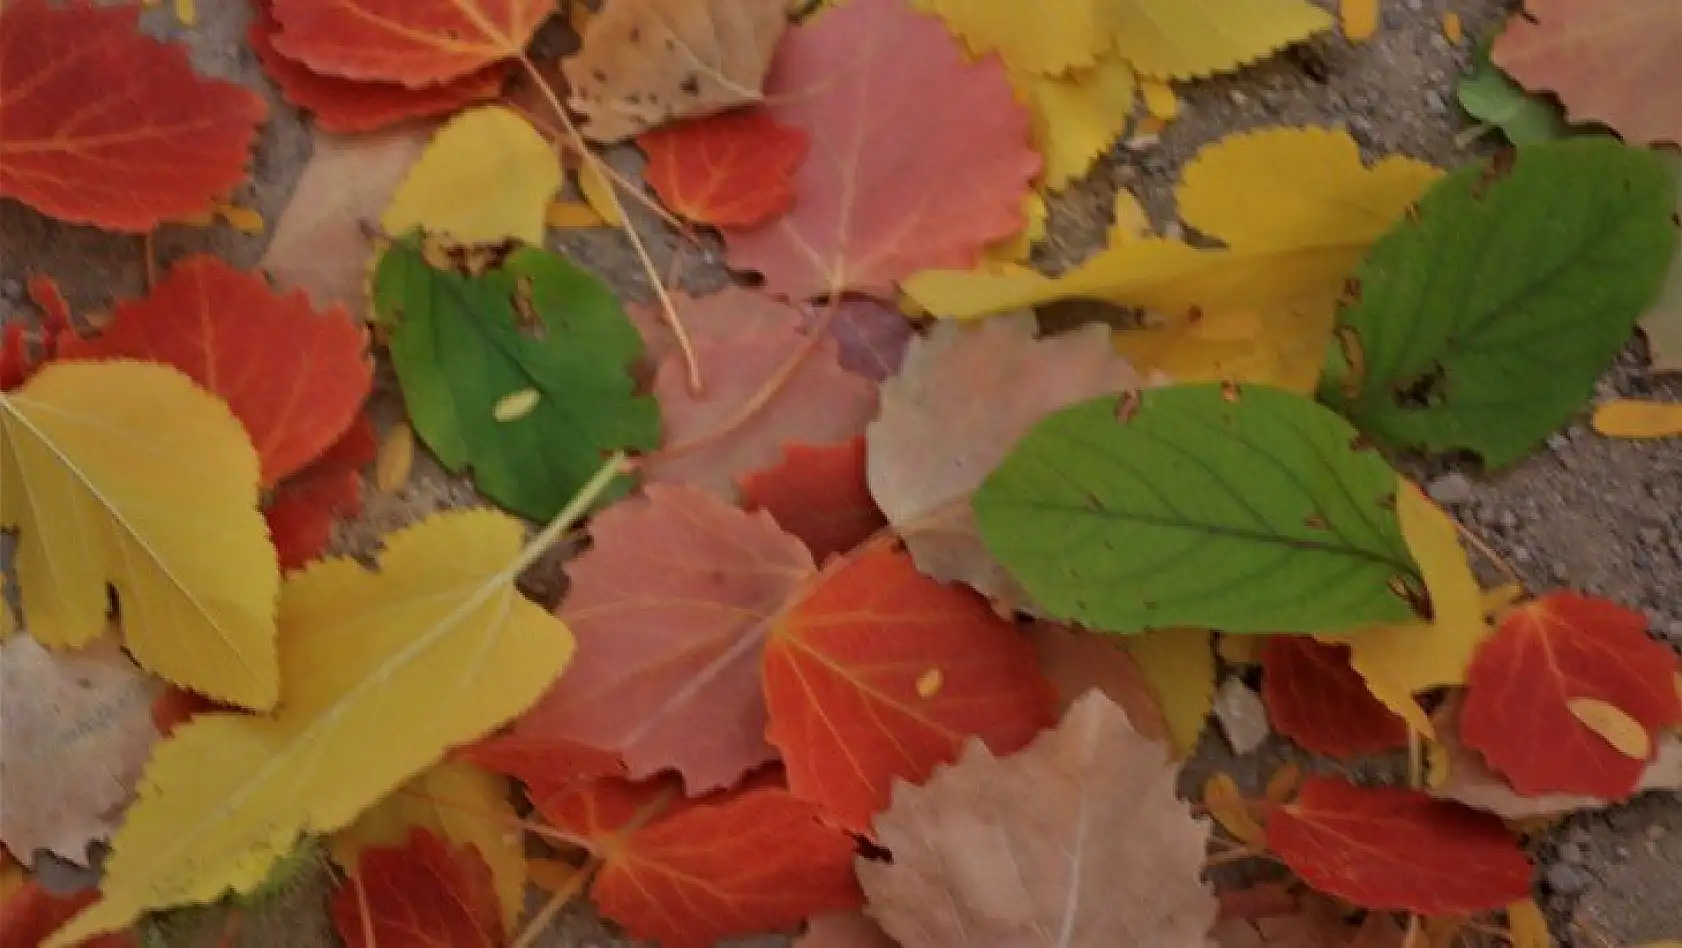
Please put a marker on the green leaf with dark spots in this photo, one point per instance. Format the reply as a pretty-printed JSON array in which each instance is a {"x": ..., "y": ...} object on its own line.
[
  {"x": 1246, "y": 509},
  {"x": 1482, "y": 321}
]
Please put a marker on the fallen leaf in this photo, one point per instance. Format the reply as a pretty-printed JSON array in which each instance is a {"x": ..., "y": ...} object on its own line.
[
  {"x": 546, "y": 765},
  {"x": 417, "y": 43},
  {"x": 439, "y": 640},
  {"x": 1560, "y": 647},
  {"x": 670, "y": 606},
  {"x": 486, "y": 176},
  {"x": 1075, "y": 116},
  {"x": 294, "y": 377},
  {"x": 396, "y": 458},
  {"x": 1318, "y": 926},
  {"x": 1180, "y": 666},
  {"x": 77, "y": 728},
  {"x": 1635, "y": 418},
  {"x": 1626, "y": 735},
  {"x": 30, "y": 914},
  {"x": 819, "y": 494},
  {"x": 1611, "y": 68},
  {"x": 128, "y": 474},
  {"x": 1077, "y": 661},
  {"x": 598, "y": 193},
  {"x": 1395, "y": 849},
  {"x": 421, "y": 892},
  {"x": 697, "y": 871},
  {"x": 644, "y": 63},
  {"x": 1662, "y": 322},
  {"x": 844, "y": 930},
  {"x": 1049, "y": 40},
  {"x": 842, "y": 672},
  {"x": 963, "y": 397},
  {"x": 1491, "y": 96},
  {"x": 1079, "y": 834},
  {"x": 881, "y": 198},
  {"x": 729, "y": 170},
  {"x": 1527, "y": 927},
  {"x": 107, "y": 126},
  {"x": 303, "y": 508},
  {"x": 570, "y": 215},
  {"x": 1174, "y": 40},
  {"x": 1224, "y": 801},
  {"x": 1315, "y": 698}
]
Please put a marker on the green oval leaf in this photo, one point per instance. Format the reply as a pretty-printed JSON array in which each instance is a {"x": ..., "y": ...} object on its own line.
[
  {"x": 1483, "y": 320},
  {"x": 1246, "y": 509},
  {"x": 516, "y": 366}
]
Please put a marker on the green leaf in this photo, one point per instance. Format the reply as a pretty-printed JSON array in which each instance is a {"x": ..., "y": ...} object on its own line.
[
  {"x": 1482, "y": 321},
  {"x": 1662, "y": 322},
  {"x": 1246, "y": 509},
  {"x": 520, "y": 372},
  {"x": 1491, "y": 96}
]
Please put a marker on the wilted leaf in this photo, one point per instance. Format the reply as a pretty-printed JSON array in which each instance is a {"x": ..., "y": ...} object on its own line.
[
  {"x": 1078, "y": 834},
  {"x": 419, "y": 892},
  {"x": 1635, "y": 418},
  {"x": 438, "y": 639},
  {"x": 882, "y": 673},
  {"x": 1396, "y": 849},
  {"x": 919, "y": 156},
  {"x": 417, "y": 43},
  {"x": 1315, "y": 698},
  {"x": 534, "y": 322},
  {"x": 487, "y": 176},
  {"x": 1175, "y": 40},
  {"x": 1560, "y": 647},
  {"x": 1440, "y": 353},
  {"x": 1490, "y": 95},
  {"x": 670, "y": 606},
  {"x": 101, "y": 124},
  {"x": 1101, "y": 516},
  {"x": 129, "y": 474},
  {"x": 819, "y": 494},
  {"x": 730, "y": 170},
  {"x": 303, "y": 508}
]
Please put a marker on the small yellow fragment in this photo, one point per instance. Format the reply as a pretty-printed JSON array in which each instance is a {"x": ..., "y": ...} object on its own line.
[
  {"x": 1229, "y": 808},
  {"x": 516, "y": 405},
  {"x": 1452, "y": 30},
  {"x": 1160, "y": 100},
  {"x": 1360, "y": 18},
  {"x": 566, "y": 215},
  {"x": 246, "y": 220},
  {"x": 1436, "y": 765},
  {"x": 598, "y": 193},
  {"x": 928, "y": 684},
  {"x": 1526, "y": 927},
  {"x": 1624, "y": 733},
  {"x": 1637, "y": 418},
  {"x": 187, "y": 12},
  {"x": 397, "y": 455},
  {"x": 550, "y": 875},
  {"x": 1148, "y": 127}
]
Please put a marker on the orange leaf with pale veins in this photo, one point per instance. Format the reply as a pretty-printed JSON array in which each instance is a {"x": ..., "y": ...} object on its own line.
[
  {"x": 414, "y": 42},
  {"x": 103, "y": 125},
  {"x": 818, "y": 493},
  {"x": 423, "y": 894},
  {"x": 734, "y": 169},
  {"x": 883, "y": 673}
]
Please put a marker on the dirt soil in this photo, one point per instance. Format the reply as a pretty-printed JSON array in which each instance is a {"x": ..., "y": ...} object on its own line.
[{"x": 1599, "y": 515}]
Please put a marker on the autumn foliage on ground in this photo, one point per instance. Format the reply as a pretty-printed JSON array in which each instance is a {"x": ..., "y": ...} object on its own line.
[{"x": 888, "y": 615}]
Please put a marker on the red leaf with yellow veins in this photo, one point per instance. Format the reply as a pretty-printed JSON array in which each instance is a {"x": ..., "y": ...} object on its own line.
[
  {"x": 101, "y": 124},
  {"x": 414, "y": 42},
  {"x": 1394, "y": 849},
  {"x": 920, "y": 157},
  {"x": 734, "y": 169},
  {"x": 883, "y": 673},
  {"x": 304, "y": 506},
  {"x": 294, "y": 377},
  {"x": 423, "y": 894},
  {"x": 1316, "y": 698},
  {"x": 819, "y": 494},
  {"x": 1566, "y": 646}
]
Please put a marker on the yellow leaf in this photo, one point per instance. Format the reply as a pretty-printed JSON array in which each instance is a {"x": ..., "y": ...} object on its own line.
[
  {"x": 1175, "y": 39},
  {"x": 127, "y": 473},
  {"x": 1359, "y": 18},
  {"x": 396, "y": 457},
  {"x": 1285, "y": 348},
  {"x": 1296, "y": 208},
  {"x": 1229, "y": 808},
  {"x": 488, "y": 175},
  {"x": 455, "y": 801},
  {"x": 1180, "y": 666},
  {"x": 1634, "y": 418},
  {"x": 1240, "y": 649},
  {"x": 382, "y": 672},
  {"x": 598, "y": 193},
  {"x": 1160, "y": 100},
  {"x": 1398, "y": 659},
  {"x": 1526, "y": 926},
  {"x": 567, "y": 215},
  {"x": 1034, "y": 38},
  {"x": 1626, "y": 735},
  {"x": 1075, "y": 116},
  {"x": 1016, "y": 249}
]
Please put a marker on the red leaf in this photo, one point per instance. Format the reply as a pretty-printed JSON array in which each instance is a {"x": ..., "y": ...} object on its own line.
[
  {"x": 414, "y": 42},
  {"x": 174, "y": 707},
  {"x": 882, "y": 672},
  {"x": 423, "y": 894},
  {"x": 818, "y": 493},
  {"x": 700, "y": 870},
  {"x": 547, "y": 766},
  {"x": 733, "y": 169},
  {"x": 345, "y": 106},
  {"x": 101, "y": 124},
  {"x": 1566, "y": 645},
  {"x": 1316, "y": 698},
  {"x": 302, "y": 510},
  {"x": 920, "y": 157},
  {"x": 669, "y": 607},
  {"x": 1394, "y": 849},
  {"x": 17, "y": 362},
  {"x": 293, "y": 376},
  {"x": 32, "y": 913}
]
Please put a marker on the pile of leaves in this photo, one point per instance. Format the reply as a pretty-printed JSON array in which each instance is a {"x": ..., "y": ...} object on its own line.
[{"x": 895, "y": 613}]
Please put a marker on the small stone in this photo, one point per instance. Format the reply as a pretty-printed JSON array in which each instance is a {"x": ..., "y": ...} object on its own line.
[
  {"x": 1560, "y": 572},
  {"x": 1652, "y": 536},
  {"x": 1522, "y": 554},
  {"x": 1567, "y": 880},
  {"x": 1237, "y": 97},
  {"x": 1656, "y": 832},
  {"x": 1509, "y": 519},
  {"x": 1241, "y": 713},
  {"x": 1570, "y": 853},
  {"x": 1558, "y": 443},
  {"x": 1435, "y": 102},
  {"x": 1450, "y": 489}
]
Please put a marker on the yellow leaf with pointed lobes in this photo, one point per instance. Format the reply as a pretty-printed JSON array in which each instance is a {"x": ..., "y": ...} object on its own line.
[
  {"x": 1076, "y": 116},
  {"x": 1175, "y": 39},
  {"x": 1034, "y": 38},
  {"x": 486, "y": 176},
  {"x": 1526, "y": 926}
]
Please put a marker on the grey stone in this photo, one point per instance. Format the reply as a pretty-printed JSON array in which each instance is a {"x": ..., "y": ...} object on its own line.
[
  {"x": 1450, "y": 489},
  {"x": 1567, "y": 880}
]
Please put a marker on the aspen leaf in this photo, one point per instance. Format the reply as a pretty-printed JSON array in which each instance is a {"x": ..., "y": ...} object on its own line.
[
  {"x": 1175, "y": 40},
  {"x": 129, "y": 474},
  {"x": 1046, "y": 40},
  {"x": 819, "y": 494},
  {"x": 1179, "y": 664},
  {"x": 1634, "y": 418},
  {"x": 421, "y": 890},
  {"x": 417, "y": 43},
  {"x": 1077, "y": 661},
  {"x": 730, "y": 170},
  {"x": 487, "y": 176},
  {"x": 1315, "y": 698},
  {"x": 438, "y": 639}
]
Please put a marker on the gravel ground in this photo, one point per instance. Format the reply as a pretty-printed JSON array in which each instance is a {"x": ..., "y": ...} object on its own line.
[{"x": 1595, "y": 514}]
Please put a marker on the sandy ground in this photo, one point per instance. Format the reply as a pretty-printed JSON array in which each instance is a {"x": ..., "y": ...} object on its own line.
[{"x": 1598, "y": 515}]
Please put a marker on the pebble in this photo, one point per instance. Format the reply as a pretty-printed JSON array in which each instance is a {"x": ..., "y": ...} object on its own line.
[
  {"x": 1571, "y": 853},
  {"x": 1241, "y": 713},
  {"x": 1656, "y": 832},
  {"x": 1567, "y": 880},
  {"x": 1450, "y": 489}
]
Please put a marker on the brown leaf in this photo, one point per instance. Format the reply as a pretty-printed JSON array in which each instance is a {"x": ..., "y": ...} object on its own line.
[
  {"x": 1079, "y": 661},
  {"x": 647, "y": 61},
  {"x": 1080, "y": 833}
]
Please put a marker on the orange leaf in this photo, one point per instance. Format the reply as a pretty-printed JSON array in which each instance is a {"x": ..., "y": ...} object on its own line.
[
  {"x": 920, "y": 157},
  {"x": 418, "y": 43},
  {"x": 292, "y": 376},
  {"x": 1562, "y": 646},
  {"x": 1316, "y": 698},
  {"x": 687, "y": 873},
  {"x": 818, "y": 493},
  {"x": 842, "y": 674},
  {"x": 734, "y": 169},
  {"x": 345, "y": 106},
  {"x": 32, "y": 913},
  {"x": 546, "y": 765},
  {"x": 1395, "y": 849},
  {"x": 303, "y": 507},
  {"x": 423, "y": 894},
  {"x": 101, "y": 124}
]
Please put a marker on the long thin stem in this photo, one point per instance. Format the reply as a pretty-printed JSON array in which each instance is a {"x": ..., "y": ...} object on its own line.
[
  {"x": 1488, "y": 553},
  {"x": 539, "y": 922}
]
